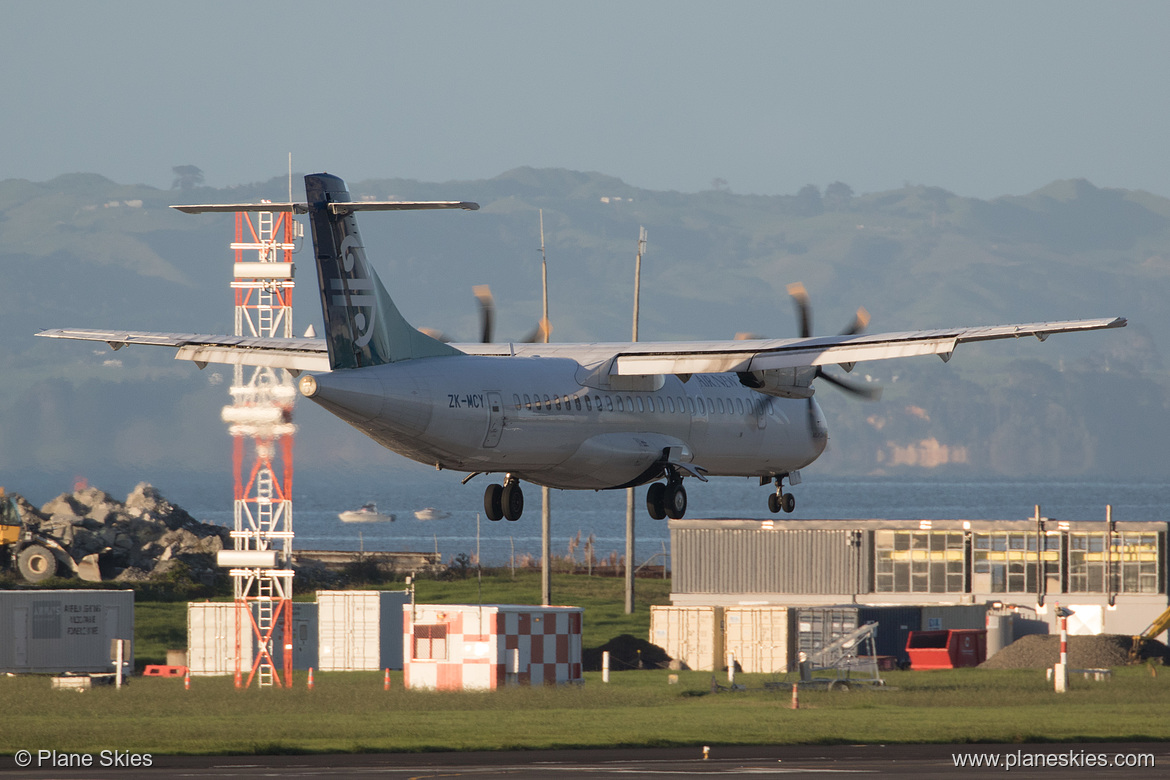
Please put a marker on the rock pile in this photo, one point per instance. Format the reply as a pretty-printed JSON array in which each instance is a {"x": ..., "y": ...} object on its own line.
[
  {"x": 1040, "y": 651},
  {"x": 144, "y": 537}
]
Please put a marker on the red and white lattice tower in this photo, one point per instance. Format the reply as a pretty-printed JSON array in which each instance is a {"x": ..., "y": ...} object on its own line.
[{"x": 260, "y": 420}]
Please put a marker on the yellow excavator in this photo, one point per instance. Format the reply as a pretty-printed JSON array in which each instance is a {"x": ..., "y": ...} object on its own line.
[
  {"x": 35, "y": 556},
  {"x": 1160, "y": 624}
]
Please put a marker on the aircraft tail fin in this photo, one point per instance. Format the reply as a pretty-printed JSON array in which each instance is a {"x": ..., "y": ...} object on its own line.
[{"x": 363, "y": 327}]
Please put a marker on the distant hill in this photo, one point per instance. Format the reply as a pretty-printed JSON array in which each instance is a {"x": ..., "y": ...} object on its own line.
[{"x": 84, "y": 251}]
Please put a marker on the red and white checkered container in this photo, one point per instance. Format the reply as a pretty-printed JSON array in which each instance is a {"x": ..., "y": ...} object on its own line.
[{"x": 462, "y": 647}]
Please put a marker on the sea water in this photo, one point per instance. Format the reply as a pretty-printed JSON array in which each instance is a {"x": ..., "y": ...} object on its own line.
[{"x": 579, "y": 515}]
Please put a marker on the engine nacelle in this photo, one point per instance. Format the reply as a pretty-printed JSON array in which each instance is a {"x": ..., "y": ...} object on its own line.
[{"x": 781, "y": 382}]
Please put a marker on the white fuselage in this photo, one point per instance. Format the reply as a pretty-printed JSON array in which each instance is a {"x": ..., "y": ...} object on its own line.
[{"x": 549, "y": 421}]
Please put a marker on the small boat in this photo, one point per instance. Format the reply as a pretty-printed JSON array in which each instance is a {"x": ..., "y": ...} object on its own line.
[
  {"x": 430, "y": 513},
  {"x": 367, "y": 514}
]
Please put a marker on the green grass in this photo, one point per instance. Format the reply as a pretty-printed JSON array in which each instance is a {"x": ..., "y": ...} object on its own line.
[{"x": 350, "y": 712}]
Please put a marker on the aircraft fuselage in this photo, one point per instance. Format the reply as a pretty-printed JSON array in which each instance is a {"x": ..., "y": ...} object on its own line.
[{"x": 534, "y": 418}]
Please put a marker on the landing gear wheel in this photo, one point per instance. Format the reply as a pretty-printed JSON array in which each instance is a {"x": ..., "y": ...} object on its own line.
[
  {"x": 493, "y": 505},
  {"x": 36, "y": 563},
  {"x": 656, "y": 501},
  {"x": 513, "y": 501},
  {"x": 675, "y": 499},
  {"x": 788, "y": 502},
  {"x": 773, "y": 503}
]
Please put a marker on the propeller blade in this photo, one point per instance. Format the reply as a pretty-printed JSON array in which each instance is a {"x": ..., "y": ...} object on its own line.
[
  {"x": 803, "y": 311},
  {"x": 868, "y": 392},
  {"x": 436, "y": 334},
  {"x": 487, "y": 311},
  {"x": 859, "y": 324},
  {"x": 539, "y": 334}
]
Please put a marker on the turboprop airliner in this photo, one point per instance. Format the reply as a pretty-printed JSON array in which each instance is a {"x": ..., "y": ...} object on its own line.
[{"x": 569, "y": 416}]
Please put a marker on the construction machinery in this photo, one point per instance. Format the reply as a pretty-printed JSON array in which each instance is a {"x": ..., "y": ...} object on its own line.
[
  {"x": 1160, "y": 624},
  {"x": 34, "y": 556}
]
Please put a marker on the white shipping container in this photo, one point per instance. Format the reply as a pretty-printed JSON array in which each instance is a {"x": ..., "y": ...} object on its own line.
[
  {"x": 692, "y": 635},
  {"x": 56, "y": 631},
  {"x": 211, "y": 639},
  {"x": 360, "y": 630},
  {"x": 758, "y": 637}
]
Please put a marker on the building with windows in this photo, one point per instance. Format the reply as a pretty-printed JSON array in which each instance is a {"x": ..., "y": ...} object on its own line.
[{"x": 1112, "y": 574}]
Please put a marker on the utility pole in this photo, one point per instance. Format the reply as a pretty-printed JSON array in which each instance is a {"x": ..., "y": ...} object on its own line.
[
  {"x": 545, "y": 511},
  {"x": 630, "y": 491}
]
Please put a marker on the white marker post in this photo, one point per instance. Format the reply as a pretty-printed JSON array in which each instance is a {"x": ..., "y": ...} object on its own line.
[
  {"x": 1060, "y": 674},
  {"x": 605, "y": 666}
]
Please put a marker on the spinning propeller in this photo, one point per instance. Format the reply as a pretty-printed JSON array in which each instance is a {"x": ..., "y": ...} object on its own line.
[
  {"x": 860, "y": 321},
  {"x": 487, "y": 320}
]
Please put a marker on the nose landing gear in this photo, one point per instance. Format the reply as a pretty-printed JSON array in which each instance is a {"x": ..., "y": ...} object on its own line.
[{"x": 781, "y": 500}]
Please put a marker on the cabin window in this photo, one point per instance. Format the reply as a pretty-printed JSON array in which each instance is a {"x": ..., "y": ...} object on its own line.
[
  {"x": 700, "y": 405},
  {"x": 721, "y": 411},
  {"x": 547, "y": 404},
  {"x": 739, "y": 405},
  {"x": 670, "y": 402},
  {"x": 588, "y": 405},
  {"x": 527, "y": 401},
  {"x": 536, "y": 402},
  {"x": 608, "y": 404},
  {"x": 557, "y": 401},
  {"x": 621, "y": 407},
  {"x": 691, "y": 404},
  {"x": 629, "y": 403},
  {"x": 577, "y": 402},
  {"x": 641, "y": 407}
]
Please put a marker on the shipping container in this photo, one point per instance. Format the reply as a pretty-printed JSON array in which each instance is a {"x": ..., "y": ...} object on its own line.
[
  {"x": 817, "y": 627},
  {"x": 211, "y": 638},
  {"x": 691, "y": 635},
  {"x": 57, "y": 631},
  {"x": 465, "y": 647},
  {"x": 758, "y": 637},
  {"x": 360, "y": 630}
]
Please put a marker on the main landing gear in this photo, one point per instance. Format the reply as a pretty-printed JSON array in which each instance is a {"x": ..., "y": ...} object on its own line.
[
  {"x": 780, "y": 500},
  {"x": 506, "y": 500},
  {"x": 667, "y": 500}
]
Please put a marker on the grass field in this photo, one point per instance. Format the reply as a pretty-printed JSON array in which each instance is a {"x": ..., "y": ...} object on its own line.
[{"x": 350, "y": 712}]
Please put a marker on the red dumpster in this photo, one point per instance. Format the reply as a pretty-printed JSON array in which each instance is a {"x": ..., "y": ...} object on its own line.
[{"x": 948, "y": 649}]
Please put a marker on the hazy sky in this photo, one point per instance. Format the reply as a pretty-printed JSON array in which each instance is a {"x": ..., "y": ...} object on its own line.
[{"x": 981, "y": 98}]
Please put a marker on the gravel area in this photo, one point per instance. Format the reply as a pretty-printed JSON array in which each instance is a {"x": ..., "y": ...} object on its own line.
[{"x": 1039, "y": 651}]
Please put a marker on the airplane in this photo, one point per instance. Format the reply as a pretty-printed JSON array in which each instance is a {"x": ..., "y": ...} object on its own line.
[{"x": 591, "y": 416}]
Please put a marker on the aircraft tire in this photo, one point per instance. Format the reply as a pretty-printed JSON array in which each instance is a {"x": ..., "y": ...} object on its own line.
[
  {"x": 656, "y": 501},
  {"x": 773, "y": 503},
  {"x": 676, "y": 501},
  {"x": 788, "y": 502},
  {"x": 36, "y": 563},
  {"x": 513, "y": 501},
  {"x": 493, "y": 505}
]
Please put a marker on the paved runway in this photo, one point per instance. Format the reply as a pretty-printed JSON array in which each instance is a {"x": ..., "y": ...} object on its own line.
[{"x": 780, "y": 761}]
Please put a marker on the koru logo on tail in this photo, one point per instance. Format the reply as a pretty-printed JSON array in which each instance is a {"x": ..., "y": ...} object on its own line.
[{"x": 361, "y": 301}]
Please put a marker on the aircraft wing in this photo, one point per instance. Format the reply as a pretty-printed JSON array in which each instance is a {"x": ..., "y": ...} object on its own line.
[
  {"x": 294, "y": 354},
  {"x": 763, "y": 354},
  {"x": 713, "y": 357}
]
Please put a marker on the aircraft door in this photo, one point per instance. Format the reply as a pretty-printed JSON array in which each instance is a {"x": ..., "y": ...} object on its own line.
[{"x": 495, "y": 420}]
